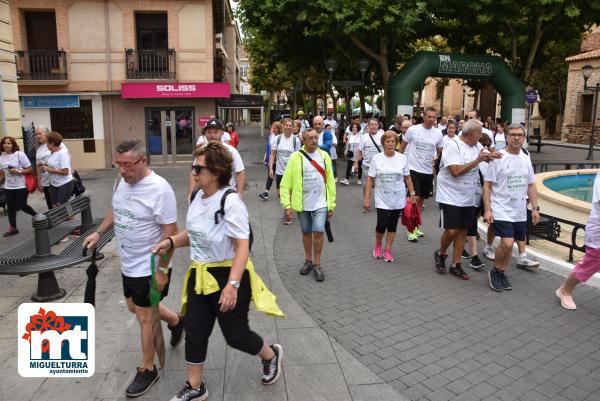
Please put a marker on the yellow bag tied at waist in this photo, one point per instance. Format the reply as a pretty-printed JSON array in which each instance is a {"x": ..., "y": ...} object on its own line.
[{"x": 264, "y": 300}]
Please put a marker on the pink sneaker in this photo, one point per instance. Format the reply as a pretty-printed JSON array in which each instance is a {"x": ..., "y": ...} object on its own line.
[
  {"x": 566, "y": 301},
  {"x": 377, "y": 251},
  {"x": 387, "y": 255}
]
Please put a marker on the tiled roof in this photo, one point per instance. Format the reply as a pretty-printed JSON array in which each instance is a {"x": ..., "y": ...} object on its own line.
[{"x": 585, "y": 56}]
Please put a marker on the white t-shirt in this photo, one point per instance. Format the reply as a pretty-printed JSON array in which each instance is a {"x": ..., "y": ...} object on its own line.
[
  {"x": 500, "y": 141},
  {"x": 304, "y": 124},
  {"x": 225, "y": 138},
  {"x": 489, "y": 133},
  {"x": 313, "y": 184},
  {"x": 445, "y": 140},
  {"x": 284, "y": 150},
  {"x": 352, "y": 144},
  {"x": 210, "y": 242},
  {"x": 389, "y": 173},
  {"x": 592, "y": 229},
  {"x": 41, "y": 156},
  {"x": 202, "y": 140},
  {"x": 441, "y": 127},
  {"x": 60, "y": 159},
  {"x": 462, "y": 190},
  {"x": 367, "y": 147},
  {"x": 140, "y": 210},
  {"x": 16, "y": 160},
  {"x": 334, "y": 141},
  {"x": 510, "y": 177},
  {"x": 422, "y": 147},
  {"x": 333, "y": 124}
]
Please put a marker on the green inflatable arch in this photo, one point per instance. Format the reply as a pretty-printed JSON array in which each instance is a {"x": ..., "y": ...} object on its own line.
[{"x": 450, "y": 65}]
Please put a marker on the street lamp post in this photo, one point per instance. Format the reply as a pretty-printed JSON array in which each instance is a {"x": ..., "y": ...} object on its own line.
[
  {"x": 587, "y": 72},
  {"x": 331, "y": 65}
]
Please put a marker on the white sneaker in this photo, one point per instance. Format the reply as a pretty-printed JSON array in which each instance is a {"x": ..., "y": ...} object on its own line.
[
  {"x": 335, "y": 179},
  {"x": 525, "y": 263},
  {"x": 345, "y": 182},
  {"x": 489, "y": 252}
]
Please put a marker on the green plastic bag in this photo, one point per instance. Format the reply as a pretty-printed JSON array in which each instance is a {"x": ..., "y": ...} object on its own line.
[{"x": 155, "y": 294}]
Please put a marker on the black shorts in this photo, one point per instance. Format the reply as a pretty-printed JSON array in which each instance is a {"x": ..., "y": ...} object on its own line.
[
  {"x": 510, "y": 229},
  {"x": 423, "y": 183},
  {"x": 138, "y": 289},
  {"x": 278, "y": 180},
  {"x": 456, "y": 217}
]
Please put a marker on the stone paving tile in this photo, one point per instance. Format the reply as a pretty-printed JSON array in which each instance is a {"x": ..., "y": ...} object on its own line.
[{"x": 407, "y": 324}]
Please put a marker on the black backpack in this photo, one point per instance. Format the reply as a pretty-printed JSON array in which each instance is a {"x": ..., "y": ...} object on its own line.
[{"x": 221, "y": 212}]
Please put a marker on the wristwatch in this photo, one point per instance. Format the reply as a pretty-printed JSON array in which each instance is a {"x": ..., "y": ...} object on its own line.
[
  {"x": 537, "y": 208},
  {"x": 235, "y": 284},
  {"x": 164, "y": 270}
]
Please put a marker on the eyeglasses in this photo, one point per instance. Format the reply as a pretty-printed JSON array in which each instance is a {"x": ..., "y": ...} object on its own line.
[
  {"x": 127, "y": 165},
  {"x": 197, "y": 169}
]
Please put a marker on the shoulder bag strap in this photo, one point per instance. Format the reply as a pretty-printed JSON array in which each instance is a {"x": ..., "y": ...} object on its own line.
[
  {"x": 221, "y": 210},
  {"x": 374, "y": 143},
  {"x": 315, "y": 164}
]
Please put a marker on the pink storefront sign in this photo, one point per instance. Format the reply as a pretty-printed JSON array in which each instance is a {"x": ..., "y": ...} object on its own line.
[{"x": 175, "y": 90}]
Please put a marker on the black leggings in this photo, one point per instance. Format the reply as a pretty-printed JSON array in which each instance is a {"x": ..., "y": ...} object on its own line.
[
  {"x": 47, "y": 197},
  {"x": 349, "y": 164},
  {"x": 202, "y": 310},
  {"x": 387, "y": 220},
  {"x": 16, "y": 199},
  {"x": 269, "y": 179}
]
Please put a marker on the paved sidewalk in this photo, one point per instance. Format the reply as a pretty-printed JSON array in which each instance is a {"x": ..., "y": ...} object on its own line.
[
  {"x": 436, "y": 337},
  {"x": 316, "y": 367}
]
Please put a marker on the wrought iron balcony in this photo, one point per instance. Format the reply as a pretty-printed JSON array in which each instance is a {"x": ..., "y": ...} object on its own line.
[
  {"x": 41, "y": 65},
  {"x": 150, "y": 64}
]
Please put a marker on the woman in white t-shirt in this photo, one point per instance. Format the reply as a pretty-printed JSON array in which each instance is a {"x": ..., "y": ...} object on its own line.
[
  {"x": 15, "y": 166},
  {"x": 221, "y": 281},
  {"x": 391, "y": 175},
  {"x": 500, "y": 137},
  {"x": 282, "y": 147},
  {"x": 351, "y": 140},
  {"x": 58, "y": 168}
]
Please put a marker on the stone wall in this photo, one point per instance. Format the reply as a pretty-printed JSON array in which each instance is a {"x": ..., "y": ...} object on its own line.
[{"x": 580, "y": 133}]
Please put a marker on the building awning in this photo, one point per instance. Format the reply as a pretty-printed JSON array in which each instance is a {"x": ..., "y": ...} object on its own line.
[{"x": 174, "y": 90}]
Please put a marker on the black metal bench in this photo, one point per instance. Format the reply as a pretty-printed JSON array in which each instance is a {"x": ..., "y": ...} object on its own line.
[
  {"x": 536, "y": 139},
  {"x": 34, "y": 255},
  {"x": 549, "y": 228}
]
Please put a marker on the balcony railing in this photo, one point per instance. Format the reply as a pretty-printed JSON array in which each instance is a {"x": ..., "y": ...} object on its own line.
[
  {"x": 150, "y": 64},
  {"x": 41, "y": 65}
]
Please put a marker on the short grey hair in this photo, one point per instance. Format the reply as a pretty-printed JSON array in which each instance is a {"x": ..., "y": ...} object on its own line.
[
  {"x": 135, "y": 146},
  {"x": 470, "y": 126},
  {"x": 43, "y": 128},
  {"x": 516, "y": 126}
]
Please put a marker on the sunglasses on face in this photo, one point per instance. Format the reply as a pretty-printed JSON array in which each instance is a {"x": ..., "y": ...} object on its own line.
[{"x": 197, "y": 169}]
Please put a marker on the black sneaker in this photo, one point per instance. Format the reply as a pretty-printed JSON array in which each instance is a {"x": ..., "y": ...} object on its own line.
[
  {"x": 264, "y": 195},
  {"x": 458, "y": 271},
  {"x": 176, "y": 332},
  {"x": 505, "y": 283},
  {"x": 465, "y": 254},
  {"x": 187, "y": 393},
  {"x": 272, "y": 368},
  {"x": 496, "y": 282},
  {"x": 440, "y": 262},
  {"x": 306, "y": 268},
  {"x": 143, "y": 380},
  {"x": 318, "y": 271},
  {"x": 476, "y": 263}
]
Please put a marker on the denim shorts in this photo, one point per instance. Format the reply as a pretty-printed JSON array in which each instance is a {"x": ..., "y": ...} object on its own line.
[{"x": 313, "y": 221}]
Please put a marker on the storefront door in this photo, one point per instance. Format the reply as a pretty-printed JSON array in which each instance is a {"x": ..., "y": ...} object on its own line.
[{"x": 170, "y": 134}]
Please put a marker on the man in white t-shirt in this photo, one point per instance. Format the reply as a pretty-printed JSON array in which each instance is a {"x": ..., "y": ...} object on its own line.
[
  {"x": 41, "y": 157},
  {"x": 590, "y": 264},
  {"x": 508, "y": 183},
  {"x": 282, "y": 147},
  {"x": 443, "y": 123},
  {"x": 304, "y": 124},
  {"x": 307, "y": 188},
  {"x": 457, "y": 194},
  {"x": 213, "y": 131},
  {"x": 331, "y": 121},
  {"x": 143, "y": 213},
  {"x": 368, "y": 146},
  {"x": 423, "y": 142},
  {"x": 474, "y": 115}
]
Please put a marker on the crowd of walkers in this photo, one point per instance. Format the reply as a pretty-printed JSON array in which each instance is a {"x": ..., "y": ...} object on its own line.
[{"x": 474, "y": 172}]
